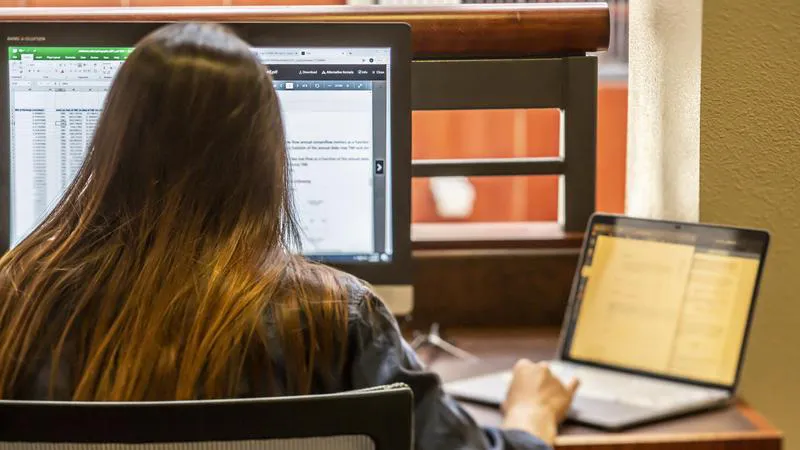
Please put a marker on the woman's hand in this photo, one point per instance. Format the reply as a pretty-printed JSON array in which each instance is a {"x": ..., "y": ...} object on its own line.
[{"x": 537, "y": 402}]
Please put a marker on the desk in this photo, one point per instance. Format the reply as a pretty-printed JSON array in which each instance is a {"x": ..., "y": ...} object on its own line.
[{"x": 736, "y": 427}]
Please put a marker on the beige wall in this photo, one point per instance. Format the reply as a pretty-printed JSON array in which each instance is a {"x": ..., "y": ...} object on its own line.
[{"x": 750, "y": 175}]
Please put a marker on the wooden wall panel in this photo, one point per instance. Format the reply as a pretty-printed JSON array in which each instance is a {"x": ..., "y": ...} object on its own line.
[
  {"x": 612, "y": 140},
  {"x": 474, "y": 288},
  {"x": 541, "y": 193}
]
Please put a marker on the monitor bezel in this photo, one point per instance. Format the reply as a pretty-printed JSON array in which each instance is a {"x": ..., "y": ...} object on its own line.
[
  {"x": 573, "y": 305},
  {"x": 395, "y": 36}
]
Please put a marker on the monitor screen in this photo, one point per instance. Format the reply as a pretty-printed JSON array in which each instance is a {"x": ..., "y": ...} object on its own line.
[
  {"x": 668, "y": 300},
  {"x": 336, "y": 111}
]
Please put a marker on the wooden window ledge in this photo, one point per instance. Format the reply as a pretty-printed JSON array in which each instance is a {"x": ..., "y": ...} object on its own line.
[{"x": 492, "y": 235}]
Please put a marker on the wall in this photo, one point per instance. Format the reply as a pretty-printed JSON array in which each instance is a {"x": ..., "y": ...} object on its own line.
[
  {"x": 664, "y": 108},
  {"x": 750, "y": 175}
]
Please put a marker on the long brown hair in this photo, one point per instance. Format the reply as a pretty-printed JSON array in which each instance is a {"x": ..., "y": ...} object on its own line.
[{"x": 166, "y": 271}]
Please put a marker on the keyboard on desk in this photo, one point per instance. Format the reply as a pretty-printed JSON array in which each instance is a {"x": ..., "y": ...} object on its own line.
[
  {"x": 597, "y": 387},
  {"x": 634, "y": 390}
]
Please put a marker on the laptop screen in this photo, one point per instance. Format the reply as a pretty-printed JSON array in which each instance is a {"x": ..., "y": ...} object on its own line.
[{"x": 667, "y": 299}]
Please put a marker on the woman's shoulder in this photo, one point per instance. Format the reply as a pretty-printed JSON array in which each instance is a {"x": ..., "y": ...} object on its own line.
[
  {"x": 361, "y": 298},
  {"x": 357, "y": 293}
]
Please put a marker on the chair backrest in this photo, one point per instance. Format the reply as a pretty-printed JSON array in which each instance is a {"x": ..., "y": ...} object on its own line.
[{"x": 378, "y": 418}]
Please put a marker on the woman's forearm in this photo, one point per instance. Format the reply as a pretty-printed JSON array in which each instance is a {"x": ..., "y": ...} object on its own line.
[{"x": 538, "y": 422}]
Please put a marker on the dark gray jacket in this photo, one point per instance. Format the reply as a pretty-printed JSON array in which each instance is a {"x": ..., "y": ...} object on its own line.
[
  {"x": 441, "y": 423},
  {"x": 378, "y": 355}
]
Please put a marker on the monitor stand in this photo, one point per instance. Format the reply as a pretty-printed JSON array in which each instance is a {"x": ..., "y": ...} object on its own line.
[
  {"x": 400, "y": 301},
  {"x": 433, "y": 339},
  {"x": 398, "y": 298}
]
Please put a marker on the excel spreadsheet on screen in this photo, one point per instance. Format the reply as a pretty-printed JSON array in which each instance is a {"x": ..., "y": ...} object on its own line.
[{"x": 340, "y": 165}]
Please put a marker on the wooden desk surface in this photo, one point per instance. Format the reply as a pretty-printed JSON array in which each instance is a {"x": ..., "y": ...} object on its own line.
[{"x": 736, "y": 427}]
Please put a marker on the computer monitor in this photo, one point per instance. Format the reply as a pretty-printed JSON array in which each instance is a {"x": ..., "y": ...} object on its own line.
[{"x": 344, "y": 94}]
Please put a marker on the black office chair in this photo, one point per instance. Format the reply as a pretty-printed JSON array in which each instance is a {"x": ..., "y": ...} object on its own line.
[{"x": 378, "y": 418}]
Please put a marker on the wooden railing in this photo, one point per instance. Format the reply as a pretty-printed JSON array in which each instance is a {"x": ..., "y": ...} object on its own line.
[
  {"x": 469, "y": 30},
  {"x": 472, "y": 57}
]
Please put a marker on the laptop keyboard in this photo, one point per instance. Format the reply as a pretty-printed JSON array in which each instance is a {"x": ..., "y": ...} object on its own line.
[{"x": 620, "y": 387}]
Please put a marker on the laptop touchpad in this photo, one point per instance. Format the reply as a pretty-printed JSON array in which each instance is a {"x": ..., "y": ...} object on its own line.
[{"x": 607, "y": 413}]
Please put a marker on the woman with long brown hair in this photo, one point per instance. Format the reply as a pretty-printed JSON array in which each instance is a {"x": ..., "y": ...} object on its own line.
[{"x": 165, "y": 271}]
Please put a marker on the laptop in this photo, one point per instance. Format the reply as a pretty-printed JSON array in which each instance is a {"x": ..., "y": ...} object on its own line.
[{"x": 657, "y": 321}]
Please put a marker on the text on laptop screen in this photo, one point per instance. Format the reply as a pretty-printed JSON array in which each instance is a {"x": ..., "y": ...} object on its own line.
[
  {"x": 335, "y": 106},
  {"x": 664, "y": 301}
]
